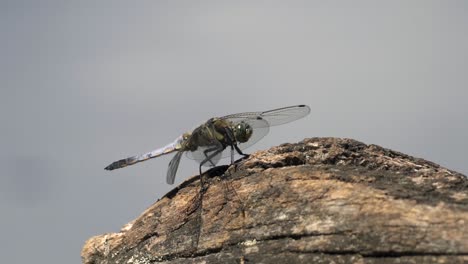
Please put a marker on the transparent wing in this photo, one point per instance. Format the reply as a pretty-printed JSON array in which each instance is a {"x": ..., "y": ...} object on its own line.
[
  {"x": 273, "y": 117},
  {"x": 173, "y": 166},
  {"x": 208, "y": 155}
]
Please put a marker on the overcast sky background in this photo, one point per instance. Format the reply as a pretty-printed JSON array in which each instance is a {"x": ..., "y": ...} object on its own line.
[{"x": 85, "y": 83}]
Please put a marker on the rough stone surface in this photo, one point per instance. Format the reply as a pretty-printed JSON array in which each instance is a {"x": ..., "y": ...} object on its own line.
[{"x": 321, "y": 200}]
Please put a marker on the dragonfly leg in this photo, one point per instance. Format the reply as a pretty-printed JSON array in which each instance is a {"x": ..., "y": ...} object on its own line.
[
  {"x": 208, "y": 158},
  {"x": 231, "y": 140},
  {"x": 202, "y": 183},
  {"x": 232, "y": 154},
  {"x": 239, "y": 151},
  {"x": 206, "y": 154}
]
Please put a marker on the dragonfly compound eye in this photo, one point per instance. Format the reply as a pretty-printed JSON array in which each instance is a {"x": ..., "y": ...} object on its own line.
[{"x": 243, "y": 132}]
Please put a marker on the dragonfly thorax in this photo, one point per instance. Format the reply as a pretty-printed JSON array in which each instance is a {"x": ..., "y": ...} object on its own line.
[{"x": 242, "y": 132}]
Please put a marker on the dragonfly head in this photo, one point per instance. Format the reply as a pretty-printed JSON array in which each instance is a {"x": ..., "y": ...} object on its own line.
[{"x": 242, "y": 132}]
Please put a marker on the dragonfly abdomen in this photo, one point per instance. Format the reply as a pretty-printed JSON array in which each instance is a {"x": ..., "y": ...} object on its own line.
[
  {"x": 153, "y": 154},
  {"x": 122, "y": 163}
]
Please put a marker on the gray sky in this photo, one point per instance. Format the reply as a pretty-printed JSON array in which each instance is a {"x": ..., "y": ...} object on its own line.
[{"x": 84, "y": 83}]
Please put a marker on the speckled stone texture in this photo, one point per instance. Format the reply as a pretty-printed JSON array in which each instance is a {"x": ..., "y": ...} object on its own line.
[{"x": 321, "y": 200}]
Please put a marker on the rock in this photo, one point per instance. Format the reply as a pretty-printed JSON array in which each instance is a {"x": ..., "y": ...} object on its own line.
[{"x": 321, "y": 200}]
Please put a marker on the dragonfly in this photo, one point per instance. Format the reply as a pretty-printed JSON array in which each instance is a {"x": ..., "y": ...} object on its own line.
[{"x": 218, "y": 138}]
